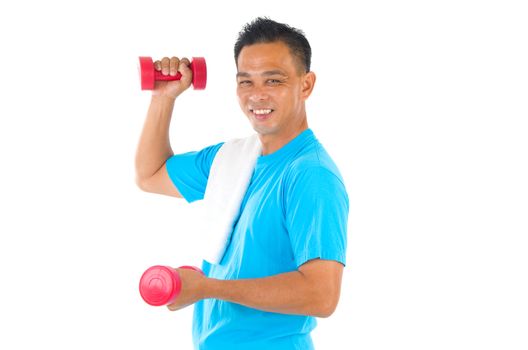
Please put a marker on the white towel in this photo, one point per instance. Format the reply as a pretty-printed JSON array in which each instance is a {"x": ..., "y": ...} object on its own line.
[{"x": 228, "y": 181}]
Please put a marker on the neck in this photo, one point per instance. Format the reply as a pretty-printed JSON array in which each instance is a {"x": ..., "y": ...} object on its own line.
[{"x": 273, "y": 142}]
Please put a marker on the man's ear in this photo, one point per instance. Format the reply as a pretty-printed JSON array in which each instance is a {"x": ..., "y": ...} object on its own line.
[{"x": 307, "y": 85}]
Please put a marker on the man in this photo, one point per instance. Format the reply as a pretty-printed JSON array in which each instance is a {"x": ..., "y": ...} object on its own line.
[{"x": 284, "y": 261}]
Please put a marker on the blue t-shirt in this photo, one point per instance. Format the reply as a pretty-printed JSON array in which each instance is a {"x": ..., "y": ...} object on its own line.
[{"x": 295, "y": 209}]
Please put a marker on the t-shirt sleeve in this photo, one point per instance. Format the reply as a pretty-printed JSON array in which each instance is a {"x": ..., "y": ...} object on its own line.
[
  {"x": 189, "y": 171},
  {"x": 317, "y": 215}
]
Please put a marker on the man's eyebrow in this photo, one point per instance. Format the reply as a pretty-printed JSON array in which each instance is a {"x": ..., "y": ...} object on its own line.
[
  {"x": 266, "y": 73},
  {"x": 274, "y": 72}
]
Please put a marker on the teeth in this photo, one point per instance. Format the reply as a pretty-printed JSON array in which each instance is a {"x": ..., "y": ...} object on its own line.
[{"x": 262, "y": 111}]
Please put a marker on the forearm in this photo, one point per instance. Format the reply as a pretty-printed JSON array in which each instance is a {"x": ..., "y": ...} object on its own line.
[
  {"x": 287, "y": 293},
  {"x": 154, "y": 145}
]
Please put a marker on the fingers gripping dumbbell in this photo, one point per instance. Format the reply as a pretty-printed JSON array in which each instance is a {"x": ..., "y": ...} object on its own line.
[
  {"x": 149, "y": 75},
  {"x": 161, "y": 285}
]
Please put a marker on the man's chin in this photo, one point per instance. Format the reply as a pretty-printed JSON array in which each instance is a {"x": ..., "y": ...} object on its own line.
[{"x": 263, "y": 129}]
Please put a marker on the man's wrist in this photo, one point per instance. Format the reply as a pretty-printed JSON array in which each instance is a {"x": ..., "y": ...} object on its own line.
[
  {"x": 210, "y": 288},
  {"x": 163, "y": 99}
]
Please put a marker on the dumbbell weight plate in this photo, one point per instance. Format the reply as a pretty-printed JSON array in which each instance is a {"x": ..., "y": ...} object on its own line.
[
  {"x": 159, "y": 285},
  {"x": 199, "y": 69},
  {"x": 146, "y": 72}
]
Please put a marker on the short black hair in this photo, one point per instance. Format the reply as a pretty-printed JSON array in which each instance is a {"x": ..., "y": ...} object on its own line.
[{"x": 265, "y": 30}]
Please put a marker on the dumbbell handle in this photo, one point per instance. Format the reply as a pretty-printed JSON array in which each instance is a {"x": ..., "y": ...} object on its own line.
[{"x": 159, "y": 76}]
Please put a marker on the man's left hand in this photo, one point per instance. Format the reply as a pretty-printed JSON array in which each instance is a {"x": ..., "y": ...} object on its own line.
[{"x": 192, "y": 289}]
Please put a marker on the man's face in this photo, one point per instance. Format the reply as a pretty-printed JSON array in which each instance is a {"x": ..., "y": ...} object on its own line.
[{"x": 271, "y": 88}]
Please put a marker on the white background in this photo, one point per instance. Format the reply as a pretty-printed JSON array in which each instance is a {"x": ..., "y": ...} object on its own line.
[{"x": 423, "y": 105}]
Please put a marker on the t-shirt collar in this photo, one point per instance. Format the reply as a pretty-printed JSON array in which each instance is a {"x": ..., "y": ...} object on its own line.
[{"x": 290, "y": 148}]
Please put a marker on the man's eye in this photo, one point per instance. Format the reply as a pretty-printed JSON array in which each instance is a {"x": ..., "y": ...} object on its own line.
[
  {"x": 274, "y": 81},
  {"x": 244, "y": 83}
]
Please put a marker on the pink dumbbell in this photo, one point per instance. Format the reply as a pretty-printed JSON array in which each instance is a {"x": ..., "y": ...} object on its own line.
[
  {"x": 149, "y": 75},
  {"x": 161, "y": 285}
]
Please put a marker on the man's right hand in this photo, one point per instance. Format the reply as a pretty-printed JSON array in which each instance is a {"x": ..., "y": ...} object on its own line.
[{"x": 171, "y": 66}]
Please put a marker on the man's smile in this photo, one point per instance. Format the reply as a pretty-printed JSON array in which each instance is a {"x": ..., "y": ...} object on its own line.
[{"x": 261, "y": 113}]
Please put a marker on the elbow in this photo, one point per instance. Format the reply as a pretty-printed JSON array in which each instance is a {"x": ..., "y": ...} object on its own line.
[
  {"x": 325, "y": 302},
  {"x": 323, "y": 288},
  {"x": 326, "y": 308},
  {"x": 142, "y": 184}
]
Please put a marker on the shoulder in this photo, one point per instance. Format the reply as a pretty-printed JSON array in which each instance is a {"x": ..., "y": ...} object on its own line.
[
  {"x": 313, "y": 164},
  {"x": 199, "y": 160},
  {"x": 314, "y": 179},
  {"x": 212, "y": 149}
]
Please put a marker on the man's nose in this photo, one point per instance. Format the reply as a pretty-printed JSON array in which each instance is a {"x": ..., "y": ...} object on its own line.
[{"x": 258, "y": 94}]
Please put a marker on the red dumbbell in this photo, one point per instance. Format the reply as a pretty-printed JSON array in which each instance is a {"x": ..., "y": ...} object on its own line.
[
  {"x": 149, "y": 75},
  {"x": 161, "y": 285}
]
